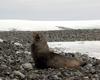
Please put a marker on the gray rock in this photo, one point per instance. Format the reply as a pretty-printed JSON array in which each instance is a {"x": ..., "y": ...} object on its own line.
[
  {"x": 84, "y": 57},
  {"x": 33, "y": 76},
  {"x": 1, "y": 58},
  {"x": 92, "y": 70},
  {"x": 15, "y": 79},
  {"x": 65, "y": 73},
  {"x": 96, "y": 77},
  {"x": 27, "y": 52},
  {"x": 27, "y": 66},
  {"x": 18, "y": 44},
  {"x": 1, "y": 79},
  {"x": 93, "y": 79},
  {"x": 3, "y": 66},
  {"x": 89, "y": 65},
  {"x": 1, "y": 40},
  {"x": 78, "y": 73},
  {"x": 77, "y": 54},
  {"x": 18, "y": 52},
  {"x": 18, "y": 73},
  {"x": 54, "y": 77},
  {"x": 86, "y": 78}
]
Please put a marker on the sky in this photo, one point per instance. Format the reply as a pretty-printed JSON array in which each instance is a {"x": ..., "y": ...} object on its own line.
[{"x": 50, "y": 9}]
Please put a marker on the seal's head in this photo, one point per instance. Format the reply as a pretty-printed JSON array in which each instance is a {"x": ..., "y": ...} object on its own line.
[{"x": 40, "y": 42}]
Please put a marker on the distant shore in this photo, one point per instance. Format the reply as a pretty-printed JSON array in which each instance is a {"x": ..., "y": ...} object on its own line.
[{"x": 57, "y": 35}]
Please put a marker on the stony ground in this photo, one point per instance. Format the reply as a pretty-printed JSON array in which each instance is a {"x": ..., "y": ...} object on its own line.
[
  {"x": 16, "y": 63},
  {"x": 57, "y": 35}
]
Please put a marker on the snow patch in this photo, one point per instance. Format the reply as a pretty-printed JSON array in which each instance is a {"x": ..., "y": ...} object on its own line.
[
  {"x": 92, "y": 48},
  {"x": 29, "y": 25}
]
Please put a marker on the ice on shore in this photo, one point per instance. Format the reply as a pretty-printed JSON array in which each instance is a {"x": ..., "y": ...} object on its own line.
[{"x": 92, "y": 48}]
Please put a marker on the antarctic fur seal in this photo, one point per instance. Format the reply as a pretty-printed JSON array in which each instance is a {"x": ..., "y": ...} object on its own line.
[{"x": 44, "y": 58}]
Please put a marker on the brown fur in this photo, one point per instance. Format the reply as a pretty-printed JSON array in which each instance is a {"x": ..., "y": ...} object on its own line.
[
  {"x": 61, "y": 61},
  {"x": 45, "y": 59}
]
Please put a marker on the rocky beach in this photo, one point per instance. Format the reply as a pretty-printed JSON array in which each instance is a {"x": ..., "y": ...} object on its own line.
[{"x": 16, "y": 62}]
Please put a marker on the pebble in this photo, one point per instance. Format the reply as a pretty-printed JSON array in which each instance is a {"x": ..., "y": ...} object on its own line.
[
  {"x": 65, "y": 73},
  {"x": 86, "y": 78},
  {"x": 1, "y": 79},
  {"x": 93, "y": 70},
  {"x": 89, "y": 65},
  {"x": 18, "y": 44},
  {"x": 18, "y": 73},
  {"x": 27, "y": 66},
  {"x": 27, "y": 52},
  {"x": 54, "y": 77},
  {"x": 3, "y": 66},
  {"x": 15, "y": 79},
  {"x": 1, "y": 40},
  {"x": 33, "y": 76},
  {"x": 18, "y": 52}
]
